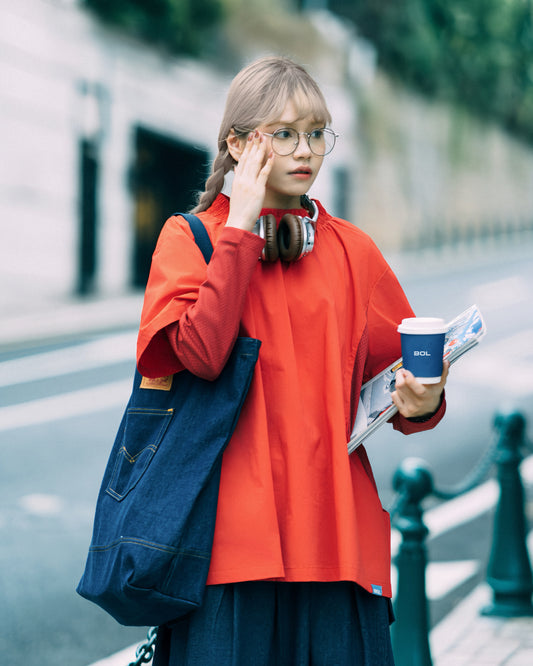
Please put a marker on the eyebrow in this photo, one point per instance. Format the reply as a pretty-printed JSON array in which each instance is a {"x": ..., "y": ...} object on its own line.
[{"x": 287, "y": 123}]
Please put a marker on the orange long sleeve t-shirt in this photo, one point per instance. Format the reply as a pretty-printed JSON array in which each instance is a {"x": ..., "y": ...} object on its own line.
[{"x": 293, "y": 505}]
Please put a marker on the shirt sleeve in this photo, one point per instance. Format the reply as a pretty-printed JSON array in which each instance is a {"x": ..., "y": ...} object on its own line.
[
  {"x": 192, "y": 311},
  {"x": 388, "y": 305}
]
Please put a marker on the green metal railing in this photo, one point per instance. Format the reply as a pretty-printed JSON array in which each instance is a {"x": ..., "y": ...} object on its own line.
[{"x": 509, "y": 569}]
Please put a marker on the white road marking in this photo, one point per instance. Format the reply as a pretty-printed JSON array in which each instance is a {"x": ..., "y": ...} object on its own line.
[
  {"x": 466, "y": 507},
  {"x": 445, "y": 576},
  {"x": 65, "y": 405},
  {"x": 441, "y": 577},
  {"x": 501, "y": 293},
  {"x": 94, "y": 354},
  {"x": 41, "y": 504},
  {"x": 505, "y": 365},
  {"x": 119, "y": 659}
]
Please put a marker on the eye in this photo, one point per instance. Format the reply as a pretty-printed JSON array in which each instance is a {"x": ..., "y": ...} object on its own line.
[
  {"x": 284, "y": 134},
  {"x": 317, "y": 134}
]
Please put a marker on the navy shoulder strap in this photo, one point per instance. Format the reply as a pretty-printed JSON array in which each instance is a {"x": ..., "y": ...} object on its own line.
[{"x": 200, "y": 235}]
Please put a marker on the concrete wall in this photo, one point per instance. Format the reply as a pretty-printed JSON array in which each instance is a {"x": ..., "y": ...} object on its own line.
[
  {"x": 422, "y": 173},
  {"x": 429, "y": 173},
  {"x": 64, "y": 78}
]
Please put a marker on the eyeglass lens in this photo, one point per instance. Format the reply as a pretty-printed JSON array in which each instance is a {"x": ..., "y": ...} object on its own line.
[{"x": 321, "y": 141}]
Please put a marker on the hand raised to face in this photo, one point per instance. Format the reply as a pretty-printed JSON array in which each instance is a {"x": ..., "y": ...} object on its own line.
[{"x": 254, "y": 163}]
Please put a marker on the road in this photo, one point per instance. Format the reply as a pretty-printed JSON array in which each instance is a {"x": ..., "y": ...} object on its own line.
[
  {"x": 495, "y": 374},
  {"x": 60, "y": 406}
]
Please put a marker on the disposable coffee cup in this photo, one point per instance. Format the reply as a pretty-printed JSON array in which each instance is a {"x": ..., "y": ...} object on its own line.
[{"x": 423, "y": 347}]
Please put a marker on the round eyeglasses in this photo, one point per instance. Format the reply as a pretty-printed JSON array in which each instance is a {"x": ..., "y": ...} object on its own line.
[
  {"x": 286, "y": 139},
  {"x": 320, "y": 141}
]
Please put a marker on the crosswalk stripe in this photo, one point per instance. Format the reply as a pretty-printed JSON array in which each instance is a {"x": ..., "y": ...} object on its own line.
[
  {"x": 85, "y": 356},
  {"x": 65, "y": 405},
  {"x": 442, "y": 577}
]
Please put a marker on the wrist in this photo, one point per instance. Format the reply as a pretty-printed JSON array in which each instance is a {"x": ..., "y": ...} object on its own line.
[{"x": 429, "y": 415}]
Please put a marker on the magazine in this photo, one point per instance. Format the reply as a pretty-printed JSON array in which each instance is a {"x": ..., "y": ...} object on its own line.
[{"x": 375, "y": 402}]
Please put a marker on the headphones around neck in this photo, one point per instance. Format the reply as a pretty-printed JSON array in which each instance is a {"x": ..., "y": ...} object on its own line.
[{"x": 293, "y": 238}]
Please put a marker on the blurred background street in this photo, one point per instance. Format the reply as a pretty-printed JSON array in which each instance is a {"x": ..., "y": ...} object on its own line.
[{"x": 107, "y": 128}]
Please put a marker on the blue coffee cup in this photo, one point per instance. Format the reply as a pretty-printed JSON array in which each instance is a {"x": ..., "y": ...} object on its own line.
[{"x": 423, "y": 346}]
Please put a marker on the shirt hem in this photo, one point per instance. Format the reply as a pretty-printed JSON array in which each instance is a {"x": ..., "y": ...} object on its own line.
[{"x": 303, "y": 575}]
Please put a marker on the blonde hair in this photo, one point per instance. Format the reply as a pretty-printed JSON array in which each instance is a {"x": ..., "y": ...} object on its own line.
[{"x": 257, "y": 96}]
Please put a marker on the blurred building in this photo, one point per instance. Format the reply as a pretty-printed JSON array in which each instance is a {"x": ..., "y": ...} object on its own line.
[
  {"x": 103, "y": 138},
  {"x": 100, "y": 137}
]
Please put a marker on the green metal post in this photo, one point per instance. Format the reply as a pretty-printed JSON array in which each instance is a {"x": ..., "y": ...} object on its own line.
[
  {"x": 509, "y": 568},
  {"x": 410, "y": 639}
]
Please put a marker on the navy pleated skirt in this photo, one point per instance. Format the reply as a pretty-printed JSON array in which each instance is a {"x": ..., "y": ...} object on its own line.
[{"x": 268, "y": 623}]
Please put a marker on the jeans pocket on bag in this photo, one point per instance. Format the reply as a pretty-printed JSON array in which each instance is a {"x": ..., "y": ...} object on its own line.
[{"x": 144, "y": 429}]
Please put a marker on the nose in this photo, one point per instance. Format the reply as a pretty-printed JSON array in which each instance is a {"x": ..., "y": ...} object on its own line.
[{"x": 302, "y": 147}]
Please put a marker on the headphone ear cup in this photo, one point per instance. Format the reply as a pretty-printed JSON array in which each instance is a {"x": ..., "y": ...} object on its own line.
[
  {"x": 290, "y": 237},
  {"x": 271, "y": 252}
]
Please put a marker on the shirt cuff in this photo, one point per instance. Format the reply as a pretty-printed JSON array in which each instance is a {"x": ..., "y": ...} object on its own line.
[
  {"x": 408, "y": 426},
  {"x": 246, "y": 239}
]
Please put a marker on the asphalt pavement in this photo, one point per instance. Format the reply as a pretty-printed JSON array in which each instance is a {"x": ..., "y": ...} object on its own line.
[{"x": 464, "y": 636}]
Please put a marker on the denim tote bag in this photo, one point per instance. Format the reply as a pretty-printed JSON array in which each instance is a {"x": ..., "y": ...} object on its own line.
[{"x": 155, "y": 512}]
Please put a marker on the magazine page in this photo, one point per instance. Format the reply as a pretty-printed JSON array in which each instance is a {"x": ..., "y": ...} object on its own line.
[
  {"x": 464, "y": 332},
  {"x": 375, "y": 402}
]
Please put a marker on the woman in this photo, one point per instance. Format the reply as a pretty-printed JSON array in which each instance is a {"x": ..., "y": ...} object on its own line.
[{"x": 300, "y": 568}]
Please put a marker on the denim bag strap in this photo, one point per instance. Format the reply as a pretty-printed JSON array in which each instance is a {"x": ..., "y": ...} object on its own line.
[
  {"x": 155, "y": 513},
  {"x": 200, "y": 235}
]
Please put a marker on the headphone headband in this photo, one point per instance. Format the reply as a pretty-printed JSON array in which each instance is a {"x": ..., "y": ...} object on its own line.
[{"x": 311, "y": 207}]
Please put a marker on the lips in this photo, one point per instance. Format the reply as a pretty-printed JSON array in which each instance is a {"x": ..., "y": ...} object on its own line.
[{"x": 303, "y": 171}]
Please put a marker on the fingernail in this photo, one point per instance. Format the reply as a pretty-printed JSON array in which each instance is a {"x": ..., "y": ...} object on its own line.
[{"x": 250, "y": 136}]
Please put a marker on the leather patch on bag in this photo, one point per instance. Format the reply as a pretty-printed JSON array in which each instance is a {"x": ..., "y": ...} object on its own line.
[{"x": 158, "y": 383}]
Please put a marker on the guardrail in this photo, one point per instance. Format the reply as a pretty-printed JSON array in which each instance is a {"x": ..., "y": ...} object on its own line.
[
  {"x": 509, "y": 571},
  {"x": 444, "y": 234}
]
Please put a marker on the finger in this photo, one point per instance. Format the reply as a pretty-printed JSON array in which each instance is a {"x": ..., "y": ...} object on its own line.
[
  {"x": 254, "y": 154},
  {"x": 445, "y": 372},
  {"x": 398, "y": 400},
  {"x": 400, "y": 377},
  {"x": 267, "y": 168},
  {"x": 412, "y": 383}
]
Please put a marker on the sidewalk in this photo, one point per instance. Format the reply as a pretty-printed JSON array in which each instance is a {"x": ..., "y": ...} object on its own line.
[
  {"x": 51, "y": 320},
  {"x": 466, "y": 638}
]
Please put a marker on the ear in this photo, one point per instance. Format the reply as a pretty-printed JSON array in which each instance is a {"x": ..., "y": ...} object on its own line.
[{"x": 235, "y": 144}]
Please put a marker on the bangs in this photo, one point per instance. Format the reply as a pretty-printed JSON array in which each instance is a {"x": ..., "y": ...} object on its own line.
[
  {"x": 307, "y": 99},
  {"x": 309, "y": 103},
  {"x": 260, "y": 93}
]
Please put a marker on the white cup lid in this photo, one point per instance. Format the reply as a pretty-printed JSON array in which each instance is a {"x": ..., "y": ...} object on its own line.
[{"x": 422, "y": 325}]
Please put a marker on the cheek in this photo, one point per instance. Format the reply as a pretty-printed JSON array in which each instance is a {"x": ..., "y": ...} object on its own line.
[
  {"x": 275, "y": 172},
  {"x": 318, "y": 164}
]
